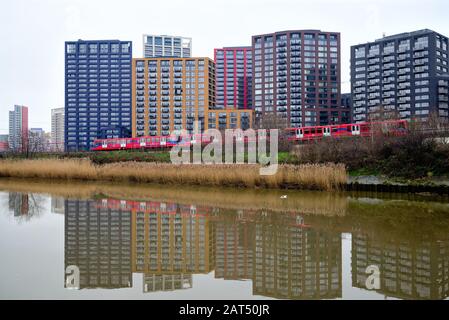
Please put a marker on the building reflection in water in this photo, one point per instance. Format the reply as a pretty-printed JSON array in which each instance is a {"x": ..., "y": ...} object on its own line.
[
  {"x": 57, "y": 205},
  {"x": 408, "y": 269},
  {"x": 19, "y": 203},
  {"x": 25, "y": 206},
  {"x": 285, "y": 255},
  {"x": 98, "y": 242},
  {"x": 166, "y": 282}
]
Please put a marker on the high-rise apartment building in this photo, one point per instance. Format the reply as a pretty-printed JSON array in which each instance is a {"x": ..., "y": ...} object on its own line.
[
  {"x": 155, "y": 46},
  {"x": 57, "y": 129},
  {"x": 296, "y": 76},
  {"x": 18, "y": 129},
  {"x": 233, "y": 77},
  {"x": 400, "y": 74},
  {"x": 171, "y": 94},
  {"x": 97, "y": 91}
]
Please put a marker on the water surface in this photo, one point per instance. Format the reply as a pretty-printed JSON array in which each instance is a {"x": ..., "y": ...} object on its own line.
[{"x": 154, "y": 242}]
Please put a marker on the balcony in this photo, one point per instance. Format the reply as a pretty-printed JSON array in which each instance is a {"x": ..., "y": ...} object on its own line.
[{"x": 282, "y": 62}]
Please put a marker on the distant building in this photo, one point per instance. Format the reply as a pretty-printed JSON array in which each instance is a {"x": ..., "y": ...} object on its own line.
[
  {"x": 155, "y": 46},
  {"x": 97, "y": 90},
  {"x": 57, "y": 129},
  {"x": 233, "y": 77},
  {"x": 18, "y": 129},
  {"x": 38, "y": 140},
  {"x": 4, "y": 145},
  {"x": 400, "y": 74}
]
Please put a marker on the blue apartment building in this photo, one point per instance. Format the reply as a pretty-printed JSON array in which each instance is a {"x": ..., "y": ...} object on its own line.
[{"x": 98, "y": 91}]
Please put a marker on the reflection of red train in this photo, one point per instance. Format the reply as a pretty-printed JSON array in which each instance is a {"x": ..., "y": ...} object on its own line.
[
  {"x": 365, "y": 129},
  {"x": 190, "y": 210}
]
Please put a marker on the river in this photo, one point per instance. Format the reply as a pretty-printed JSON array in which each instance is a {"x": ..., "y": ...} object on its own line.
[{"x": 110, "y": 241}]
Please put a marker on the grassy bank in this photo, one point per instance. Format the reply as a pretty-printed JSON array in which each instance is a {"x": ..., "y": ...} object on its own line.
[{"x": 310, "y": 176}]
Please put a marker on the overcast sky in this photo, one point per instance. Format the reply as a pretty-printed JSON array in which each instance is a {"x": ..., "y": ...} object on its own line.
[{"x": 32, "y": 33}]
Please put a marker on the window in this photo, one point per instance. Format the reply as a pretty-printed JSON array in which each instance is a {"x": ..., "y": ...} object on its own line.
[
  {"x": 71, "y": 48},
  {"x": 93, "y": 48},
  {"x": 360, "y": 52},
  {"x": 125, "y": 47},
  {"x": 104, "y": 48}
]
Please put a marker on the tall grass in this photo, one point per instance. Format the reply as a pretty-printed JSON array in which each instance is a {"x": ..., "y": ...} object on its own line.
[{"x": 309, "y": 176}]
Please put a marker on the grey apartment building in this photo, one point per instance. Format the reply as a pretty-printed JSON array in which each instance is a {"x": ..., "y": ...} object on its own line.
[
  {"x": 405, "y": 74},
  {"x": 296, "y": 75}
]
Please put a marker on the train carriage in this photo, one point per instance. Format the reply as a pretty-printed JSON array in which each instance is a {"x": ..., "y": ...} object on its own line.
[{"x": 303, "y": 134}]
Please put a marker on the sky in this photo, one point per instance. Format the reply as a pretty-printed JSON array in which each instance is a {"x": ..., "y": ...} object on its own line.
[{"x": 33, "y": 32}]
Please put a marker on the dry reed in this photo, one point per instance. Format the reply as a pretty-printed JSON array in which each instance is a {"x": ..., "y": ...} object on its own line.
[{"x": 314, "y": 176}]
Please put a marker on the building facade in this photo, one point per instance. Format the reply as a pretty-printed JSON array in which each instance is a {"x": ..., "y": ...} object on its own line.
[
  {"x": 399, "y": 74},
  {"x": 233, "y": 77},
  {"x": 18, "y": 129},
  {"x": 57, "y": 129},
  {"x": 171, "y": 94},
  {"x": 296, "y": 75},
  {"x": 222, "y": 119},
  {"x": 155, "y": 46},
  {"x": 97, "y": 90}
]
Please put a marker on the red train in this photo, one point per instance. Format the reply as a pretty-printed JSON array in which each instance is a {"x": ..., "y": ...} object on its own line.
[
  {"x": 304, "y": 134},
  {"x": 364, "y": 129}
]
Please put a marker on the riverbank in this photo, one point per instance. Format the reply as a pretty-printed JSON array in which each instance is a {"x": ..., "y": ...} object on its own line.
[{"x": 325, "y": 177}]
